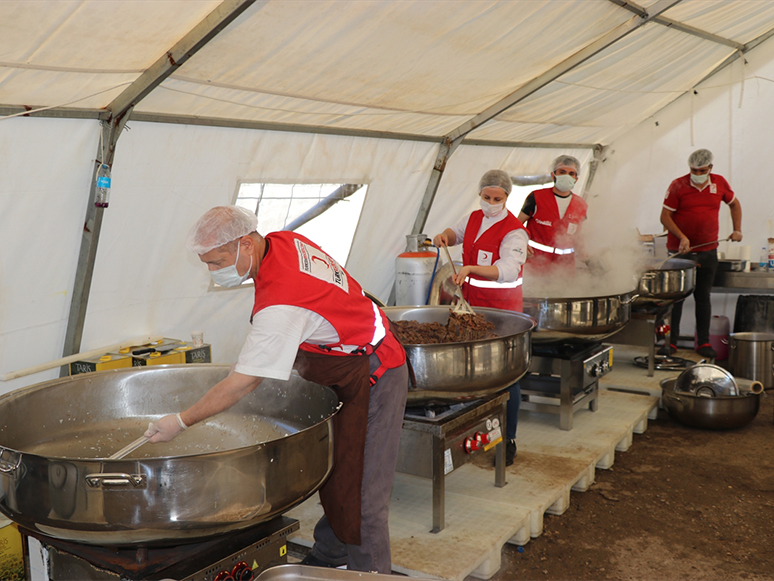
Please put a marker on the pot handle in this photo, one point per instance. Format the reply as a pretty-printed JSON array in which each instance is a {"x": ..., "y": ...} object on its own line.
[
  {"x": 674, "y": 398},
  {"x": 629, "y": 301},
  {"x": 10, "y": 465},
  {"x": 116, "y": 480}
]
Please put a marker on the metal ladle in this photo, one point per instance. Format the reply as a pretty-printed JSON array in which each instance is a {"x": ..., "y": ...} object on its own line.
[{"x": 462, "y": 306}]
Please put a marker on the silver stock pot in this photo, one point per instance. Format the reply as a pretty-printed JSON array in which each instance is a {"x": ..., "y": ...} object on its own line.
[
  {"x": 578, "y": 320},
  {"x": 448, "y": 372},
  {"x": 665, "y": 282},
  {"x": 258, "y": 459}
]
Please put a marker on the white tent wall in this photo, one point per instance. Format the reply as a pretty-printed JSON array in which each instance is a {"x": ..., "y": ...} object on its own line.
[
  {"x": 165, "y": 176},
  {"x": 47, "y": 166},
  {"x": 733, "y": 120}
]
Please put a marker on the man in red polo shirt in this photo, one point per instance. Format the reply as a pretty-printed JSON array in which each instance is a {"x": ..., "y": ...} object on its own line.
[{"x": 690, "y": 214}]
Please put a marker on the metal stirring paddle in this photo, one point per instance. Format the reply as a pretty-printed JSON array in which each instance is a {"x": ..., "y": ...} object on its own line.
[
  {"x": 463, "y": 306},
  {"x": 129, "y": 448}
]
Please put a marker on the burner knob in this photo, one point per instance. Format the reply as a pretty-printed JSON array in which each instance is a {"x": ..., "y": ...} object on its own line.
[
  {"x": 223, "y": 576},
  {"x": 476, "y": 442},
  {"x": 242, "y": 572}
]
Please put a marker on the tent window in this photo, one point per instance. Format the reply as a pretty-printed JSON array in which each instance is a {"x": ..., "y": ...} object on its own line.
[{"x": 327, "y": 214}]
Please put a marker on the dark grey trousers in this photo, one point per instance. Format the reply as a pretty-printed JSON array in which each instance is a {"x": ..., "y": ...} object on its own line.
[{"x": 386, "y": 408}]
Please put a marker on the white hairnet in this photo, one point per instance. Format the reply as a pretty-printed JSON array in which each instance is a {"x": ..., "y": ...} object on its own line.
[
  {"x": 700, "y": 158},
  {"x": 496, "y": 178},
  {"x": 219, "y": 226},
  {"x": 566, "y": 160}
]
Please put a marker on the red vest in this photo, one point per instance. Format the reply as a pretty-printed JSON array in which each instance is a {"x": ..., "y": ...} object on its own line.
[
  {"x": 297, "y": 272},
  {"x": 551, "y": 237},
  {"x": 485, "y": 251}
]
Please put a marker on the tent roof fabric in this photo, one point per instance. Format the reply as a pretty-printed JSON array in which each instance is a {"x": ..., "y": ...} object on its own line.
[{"x": 415, "y": 67}]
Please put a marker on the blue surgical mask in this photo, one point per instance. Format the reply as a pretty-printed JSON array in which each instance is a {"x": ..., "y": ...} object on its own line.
[
  {"x": 698, "y": 180},
  {"x": 228, "y": 276},
  {"x": 565, "y": 182}
]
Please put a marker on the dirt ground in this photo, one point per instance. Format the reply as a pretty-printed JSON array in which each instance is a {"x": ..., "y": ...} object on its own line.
[{"x": 681, "y": 503}]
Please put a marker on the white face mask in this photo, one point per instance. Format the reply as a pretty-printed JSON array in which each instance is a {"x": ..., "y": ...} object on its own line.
[
  {"x": 491, "y": 210},
  {"x": 228, "y": 276},
  {"x": 565, "y": 182},
  {"x": 698, "y": 180}
]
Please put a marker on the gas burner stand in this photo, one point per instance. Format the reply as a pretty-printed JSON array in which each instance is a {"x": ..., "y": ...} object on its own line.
[
  {"x": 643, "y": 329},
  {"x": 432, "y": 447},
  {"x": 564, "y": 378},
  {"x": 239, "y": 555}
]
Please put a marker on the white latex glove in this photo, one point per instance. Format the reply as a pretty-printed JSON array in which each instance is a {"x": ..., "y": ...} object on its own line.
[{"x": 165, "y": 430}]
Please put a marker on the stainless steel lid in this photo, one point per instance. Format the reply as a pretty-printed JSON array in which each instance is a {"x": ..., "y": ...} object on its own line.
[{"x": 706, "y": 380}]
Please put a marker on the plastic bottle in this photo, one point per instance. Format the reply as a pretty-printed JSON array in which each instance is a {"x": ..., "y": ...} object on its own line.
[
  {"x": 764, "y": 259},
  {"x": 103, "y": 186},
  {"x": 771, "y": 253}
]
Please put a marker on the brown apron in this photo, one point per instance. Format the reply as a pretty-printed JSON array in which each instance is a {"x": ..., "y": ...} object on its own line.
[{"x": 348, "y": 376}]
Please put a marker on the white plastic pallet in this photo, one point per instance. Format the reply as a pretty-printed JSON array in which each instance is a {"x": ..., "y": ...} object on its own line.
[{"x": 480, "y": 517}]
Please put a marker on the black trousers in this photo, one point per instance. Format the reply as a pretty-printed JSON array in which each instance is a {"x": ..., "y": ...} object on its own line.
[{"x": 705, "y": 275}]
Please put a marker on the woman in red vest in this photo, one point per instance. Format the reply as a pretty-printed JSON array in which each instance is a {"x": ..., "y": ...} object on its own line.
[
  {"x": 494, "y": 248},
  {"x": 553, "y": 217}
]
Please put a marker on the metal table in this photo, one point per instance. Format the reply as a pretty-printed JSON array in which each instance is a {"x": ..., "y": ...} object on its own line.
[{"x": 757, "y": 282}]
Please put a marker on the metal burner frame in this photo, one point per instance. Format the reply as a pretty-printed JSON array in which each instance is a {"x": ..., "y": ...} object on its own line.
[
  {"x": 641, "y": 330},
  {"x": 577, "y": 375},
  {"x": 435, "y": 447},
  {"x": 262, "y": 545}
]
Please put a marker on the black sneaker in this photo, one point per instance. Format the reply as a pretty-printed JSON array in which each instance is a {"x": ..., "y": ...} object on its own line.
[
  {"x": 706, "y": 350},
  {"x": 510, "y": 452},
  {"x": 313, "y": 561},
  {"x": 667, "y": 349}
]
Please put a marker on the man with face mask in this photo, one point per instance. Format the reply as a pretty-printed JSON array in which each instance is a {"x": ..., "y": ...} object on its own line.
[
  {"x": 553, "y": 217},
  {"x": 494, "y": 248},
  {"x": 311, "y": 315},
  {"x": 690, "y": 215}
]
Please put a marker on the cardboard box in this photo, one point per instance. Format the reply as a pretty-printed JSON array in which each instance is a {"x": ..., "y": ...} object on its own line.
[{"x": 11, "y": 553}]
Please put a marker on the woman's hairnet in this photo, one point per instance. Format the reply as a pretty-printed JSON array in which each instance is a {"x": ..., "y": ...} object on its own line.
[
  {"x": 496, "y": 178},
  {"x": 700, "y": 158},
  {"x": 566, "y": 160},
  {"x": 219, "y": 226}
]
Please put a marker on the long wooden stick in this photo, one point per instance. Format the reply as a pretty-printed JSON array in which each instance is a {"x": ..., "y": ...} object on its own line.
[{"x": 78, "y": 356}]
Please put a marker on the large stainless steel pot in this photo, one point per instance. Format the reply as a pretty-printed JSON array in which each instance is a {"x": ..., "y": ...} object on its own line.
[
  {"x": 665, "y": 282},
  {"x": 713, "y": 413},
  {"x": 471, "y": 369},
  {"x": 578, "y": 320},
  {"x": 246, "y": 465},
  {"x": 751, "y": 355}
]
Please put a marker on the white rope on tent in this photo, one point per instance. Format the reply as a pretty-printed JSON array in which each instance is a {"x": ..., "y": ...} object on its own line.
[{"x": 23, "y": 113}]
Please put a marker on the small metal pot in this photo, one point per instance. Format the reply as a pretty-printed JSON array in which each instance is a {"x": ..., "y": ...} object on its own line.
[
  {"x": 751, "y": 355},
  {"x": 710, "y": 413}
]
